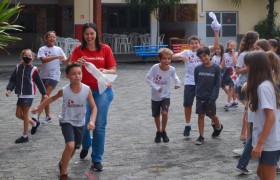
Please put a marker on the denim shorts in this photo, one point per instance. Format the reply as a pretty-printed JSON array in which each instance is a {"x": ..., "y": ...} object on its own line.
[
  {"x": 50, "y": 82},
  {"x": 189, "y": 94},
  {"x": 25, "y": 102},
  {"x": 162, "y": 105},
  {"x": 72, "y": 133},
  {"x": 202, "y": 107},
  {"x": 269, "y": 157}
]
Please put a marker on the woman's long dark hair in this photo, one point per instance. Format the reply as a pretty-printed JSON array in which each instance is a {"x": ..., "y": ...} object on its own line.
[
  {"x": 259, "y": 71},
  {"x": 84, "y": 43}
]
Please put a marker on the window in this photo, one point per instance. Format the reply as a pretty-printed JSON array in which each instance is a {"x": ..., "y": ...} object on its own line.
[{"x": 228, "y": 20}]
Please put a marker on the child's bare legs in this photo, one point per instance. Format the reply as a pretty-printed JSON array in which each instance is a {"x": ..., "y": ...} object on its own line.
[
  {"x": 243, "y": 134},
  {"x": 157, "y": 122},
  {"x": 225, "y": 89},
  {"x": 216, "y": 121},
  {"x": 66, "y": 156},
  {"x": 201, "y": 124},
  {"x": 22, "y": 113},
  {"x": 49, "y": 90},
  {"x": 230, "y": 94},
  {"x": 266, "y": 172},
  {"x": 164, "y": 117},
  {"x": 188, "y": 113}
]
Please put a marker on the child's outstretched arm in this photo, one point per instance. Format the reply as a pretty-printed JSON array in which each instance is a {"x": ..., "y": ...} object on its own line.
[
  {"x": 46, "y": 102},
  {"x": 179, "y": 56},
  {"x": 91, "y": 124}
]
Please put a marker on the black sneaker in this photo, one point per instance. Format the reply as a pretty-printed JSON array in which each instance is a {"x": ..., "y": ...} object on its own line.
[
  {"x": 164, "y": 137},
  {"x": 243, "y": 170},
  {"x": 199, "y": 141},
  {"x": 83, "y": 153},
  {"x": 187, "y": 131},
  {"x": 217, "y": 132},
  {"x": 158, "y": 137},
  {"x": 21, "y": 139},
  {"x": 97, "y": 166},
  {"x": 34, "y": 128}
]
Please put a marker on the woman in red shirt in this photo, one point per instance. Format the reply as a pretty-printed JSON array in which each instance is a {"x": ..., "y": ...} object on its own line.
[{"x": 101, "y": 55}]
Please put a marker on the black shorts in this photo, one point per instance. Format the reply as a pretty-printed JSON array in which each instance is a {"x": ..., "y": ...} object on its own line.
[
  {"x": 189, "y": 94},
  {"x": 72, "y": 133},
  {"x": 241, "y": 94},
  {"x": 269, "y": 157},
  {"x": 25, "y": 102},
  {"x": 202, "y": 107},
  {"x": 158, "y": 106},
  {"x": 50, "y": 82},
  {"x": 226, "y": 78}
]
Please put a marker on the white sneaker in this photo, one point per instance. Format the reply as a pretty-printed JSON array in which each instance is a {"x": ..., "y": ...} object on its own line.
[
  {"x": 238, "y": 151},
  {"x": 47, "y": 120},
  {"x": 35, "y": 117}
]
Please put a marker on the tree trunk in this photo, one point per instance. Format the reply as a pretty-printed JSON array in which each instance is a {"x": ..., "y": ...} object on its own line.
[{"x": 270, "y": 19}]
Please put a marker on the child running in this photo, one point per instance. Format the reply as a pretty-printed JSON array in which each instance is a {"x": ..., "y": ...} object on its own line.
[
  {"x": 264, "y": 102},
  {"x": 191, "y": 61},
  {"x": 159, "y": 79},
  {"x": 23, "y": 81},
  {"x": 207, "y": 83},
  {"x": 50, "y": 56},
  {"x": 72, "y": 118}
]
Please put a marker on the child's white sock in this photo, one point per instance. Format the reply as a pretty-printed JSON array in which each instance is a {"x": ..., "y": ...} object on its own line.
[
  {"x": 188, "y": 124},
  {"x": 35, "y": 124},
  {"x": 25, "y": 136}
]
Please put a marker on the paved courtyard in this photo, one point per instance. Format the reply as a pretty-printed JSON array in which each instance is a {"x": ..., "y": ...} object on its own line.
[{"x": 130, "y": 151}]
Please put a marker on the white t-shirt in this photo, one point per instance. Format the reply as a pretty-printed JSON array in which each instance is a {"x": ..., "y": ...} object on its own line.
[
  {"x": 229, "y": 59},
  {"x": 240, "y": 63},
  {"x": 74, "y": 106},
  {"x": 267, "y": 100},
  {"x": 190, "y": 66},
  {"x": 51, "y": 70},
  {"x": 161, "y": 79},
  {"x": 216, "y": 59}
]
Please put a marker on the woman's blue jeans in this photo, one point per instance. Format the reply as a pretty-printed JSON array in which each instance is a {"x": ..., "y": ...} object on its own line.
[
  {"x": 246, "y": 155},
  {"x": 97, "y": 142}
]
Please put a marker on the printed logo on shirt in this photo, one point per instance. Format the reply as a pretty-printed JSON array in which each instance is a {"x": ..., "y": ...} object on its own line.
[
  {"x": 71, "y": 104},
  {"x": 158, "y": 80},
  {"x": 48, "y": 53},
  {"x": 206, "y": 74},
  {"x": 94, "y": 58}
]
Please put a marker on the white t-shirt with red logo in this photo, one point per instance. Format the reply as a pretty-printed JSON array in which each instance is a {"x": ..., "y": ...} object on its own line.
[
  {"x": 190, "y": 66},
  {"x": 74, "y": 106}
]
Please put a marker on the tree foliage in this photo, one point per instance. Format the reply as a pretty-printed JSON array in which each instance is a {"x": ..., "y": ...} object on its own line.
[{"x": 8, "y": 15}]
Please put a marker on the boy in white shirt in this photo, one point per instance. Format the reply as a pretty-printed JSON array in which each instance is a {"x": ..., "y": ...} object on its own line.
[{"x": 159, "y": 79}]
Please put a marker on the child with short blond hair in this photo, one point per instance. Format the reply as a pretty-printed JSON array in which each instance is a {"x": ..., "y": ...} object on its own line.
[{"x": 159, "y": 79}]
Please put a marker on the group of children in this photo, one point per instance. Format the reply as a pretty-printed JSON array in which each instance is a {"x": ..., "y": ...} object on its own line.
[
  {"x": 235, "y": 72},
  {"x": 75, "y": 96}
]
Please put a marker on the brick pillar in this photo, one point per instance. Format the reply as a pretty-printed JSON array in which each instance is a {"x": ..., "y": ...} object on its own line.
[{"x": 97, "y": 16}]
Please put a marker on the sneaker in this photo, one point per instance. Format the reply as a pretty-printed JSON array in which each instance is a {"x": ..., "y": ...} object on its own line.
[
  {"x": 35, "y": 117},
  {"x": 34, "y": 128},
  {"x": 243, "y": 170},
  {"x": 21, "y": 139},
  {"x": 97, "y": 166},
  {"x": 158, "y": 137},
  {"x": 83, "y": 153},
  {"x": 47, "y": 120},
  {"x": 199, "y": 141},
  {"x": 233, "y": 105},
  {"x": 226, "y": 107},
  {"x": 278, "y": 169},
  {"x": 217, "y": 132},
  {"x": 164, "y": 137},
  {"x": 238, "y": 151},
  {"x": 187, "y": 131}
]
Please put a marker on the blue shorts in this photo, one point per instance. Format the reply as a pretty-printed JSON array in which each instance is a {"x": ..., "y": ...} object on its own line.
[
  {"x": 50, "y": 82},
  {"x": 25, "y": 102},
  {"x": 72, "y": 133},
  {"x": 189, "y": 94},
  {"x": 162, "y": 105},
  {"x": 269, "y": 157}
]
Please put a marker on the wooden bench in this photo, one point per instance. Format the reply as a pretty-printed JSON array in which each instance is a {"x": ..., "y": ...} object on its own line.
[
  {"x": 176, "y": 48},
  {"x": 146, "y": 51}
]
